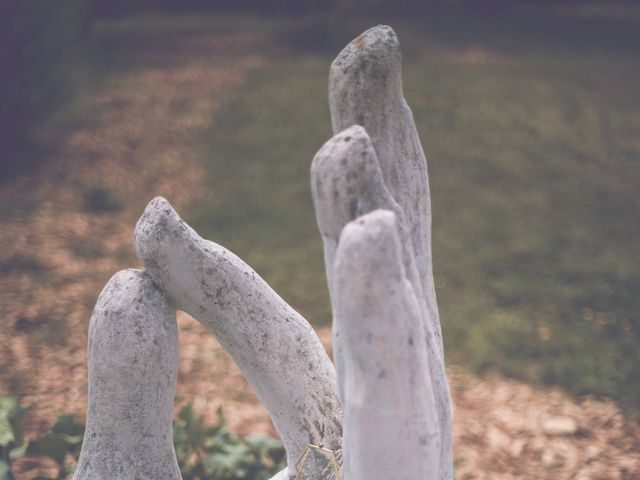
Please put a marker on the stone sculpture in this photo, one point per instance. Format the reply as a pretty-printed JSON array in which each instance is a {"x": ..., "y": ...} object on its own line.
[
  {"x": 133, "y": 367},
  {"x": 277, "y": 350},
  {"x": 365, "y": 88},
  {"x": 385, "y": 407}
]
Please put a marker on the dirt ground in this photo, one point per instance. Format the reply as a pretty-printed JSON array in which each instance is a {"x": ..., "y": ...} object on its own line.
[{"x": 57, "y": 250}]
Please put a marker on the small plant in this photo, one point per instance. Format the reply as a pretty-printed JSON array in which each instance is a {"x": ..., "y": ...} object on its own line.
[
  {"x": 206, "y": 452},
  {"x": 62, "y": 444},
  {"x": 203, "y": 452},
  {"x": 11, "y": 434}
]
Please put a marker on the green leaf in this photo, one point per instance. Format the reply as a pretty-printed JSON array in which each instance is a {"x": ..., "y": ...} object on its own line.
[
  {"x": 67, "y": 425},
  {"x": 7, "y": 434},
  {"x": 206, "y": 451},
  {"x": 52, "y": 445},
  {"x": 11, "y": 414},
  {"x": 191, "y": 424},
  {"x": 5, "y": 471},
  {"x": 188, "y": 416},
  {"x": 17, "y": 452},
  {"x": 9, "y": 406},
  {"x": 9, "y": 411},
  {"x": 69, "y": 475}
]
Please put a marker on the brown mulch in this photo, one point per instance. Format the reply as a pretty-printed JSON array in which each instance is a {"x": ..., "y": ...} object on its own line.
[
  {"x": 132, "y": 139},
  {"x": 506, "y": 429},
  {"x": 55, "y": 256}
]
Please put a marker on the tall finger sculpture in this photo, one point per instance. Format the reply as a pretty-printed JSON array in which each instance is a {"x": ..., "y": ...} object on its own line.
[
  {"x": 390, "y": 422},
  {"x": 365, "y": 88}
]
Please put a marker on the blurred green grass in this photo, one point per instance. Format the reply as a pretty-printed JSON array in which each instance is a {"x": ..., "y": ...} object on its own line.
[
  {"x": 258, "y": 159},
  {"x": 531, "y": 126}
]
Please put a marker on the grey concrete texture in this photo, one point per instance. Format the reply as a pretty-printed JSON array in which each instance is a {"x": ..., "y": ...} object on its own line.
[
  {"x": 390, "y": 421},
  {"x": 275, "y": 347},
  {"x": 346, "y": 183},
  {"x": 133, "y": 366},
  {"x": 365, "y": 89}
]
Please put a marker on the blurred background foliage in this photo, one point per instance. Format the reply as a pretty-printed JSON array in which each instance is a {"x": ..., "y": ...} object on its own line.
[
  {"x": 203, "y": 451},
  {"x": 530, "y": 123},
  {"x": 535, "y": 149},
  {"x": 530, "y": 119},
  {"x": 38, "y": 37}
]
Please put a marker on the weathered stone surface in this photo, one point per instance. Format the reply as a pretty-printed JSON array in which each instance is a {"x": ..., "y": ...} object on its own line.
[
  {"x": 365, "y": 88},
  {"x": 276, "y": 349},
  {"x": 346, "y": 182},
  {"x": 390, "y": 421},
  {"x": 133, "y": 365}
]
